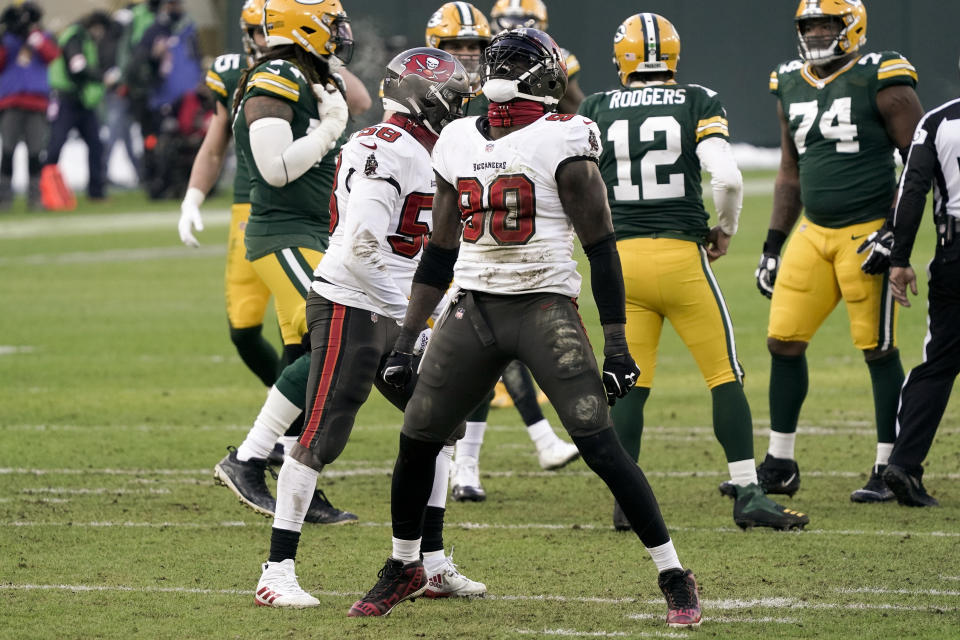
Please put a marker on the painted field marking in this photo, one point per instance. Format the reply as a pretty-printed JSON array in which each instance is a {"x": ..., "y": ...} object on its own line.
[
  {"x": 55, "y": 226},
  {"x": 94, "y": 491},
  {"x": 727, "y": 604},
  {"x": 573, "y": 633},
  {"x": 723, "y": 619},
  {"x": 905, "y": 592},
  {"x": 536, "y": 526},
  {"x": 110, "y": 256}
]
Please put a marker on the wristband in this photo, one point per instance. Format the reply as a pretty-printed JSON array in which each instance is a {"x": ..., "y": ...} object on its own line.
[{"x": 774, "y": 242}]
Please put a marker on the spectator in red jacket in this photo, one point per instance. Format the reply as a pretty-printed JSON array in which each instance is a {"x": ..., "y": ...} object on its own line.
[{"x": 25, "y": 52}]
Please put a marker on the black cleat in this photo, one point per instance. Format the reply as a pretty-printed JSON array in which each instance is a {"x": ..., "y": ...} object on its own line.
[
  {"x": 876, "y": 490},
  {"x": 397, "y": 582},
  {"x": 779, "y": 475},
  {"x": 275, "y": 457},
  {"x": 752, "y": 508},
  {"x": 907, "y": 487},
  {"x": 246, "y": 480},
  {"x": 620, "y": 522},
  {"x": 679, "y": 587},
  {"x": 322, "y": 512}
]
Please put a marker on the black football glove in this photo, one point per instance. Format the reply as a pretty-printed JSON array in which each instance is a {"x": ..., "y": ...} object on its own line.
[
  {"x": 766, "y": 273},
  {"x": 620, "y": 373},
  {"x": 397, "y": 369},
  {"x": 880, "y": 243}
]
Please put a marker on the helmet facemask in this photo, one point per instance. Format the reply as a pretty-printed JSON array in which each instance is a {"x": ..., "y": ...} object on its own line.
[
  {"x": 518, "y": 65},
  {"x": 428, "y": 85},
  {"x": 822, "y": 49}
]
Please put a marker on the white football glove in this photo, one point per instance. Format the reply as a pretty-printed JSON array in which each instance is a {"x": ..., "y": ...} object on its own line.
[
  {"x": 190, "y": 216},
  {"x": 333, "y": 113}
]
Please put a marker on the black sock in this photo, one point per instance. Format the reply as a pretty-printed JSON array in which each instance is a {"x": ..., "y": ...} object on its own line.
[
  {"x": 519, "y": 385},
  {"x": 258, "y": 354},
  {"x": 411, "y": 486},
  {"x": 432, "y": 530},
  {"x": 283, "y": 545},
  {"x": 604, "y": 454}
]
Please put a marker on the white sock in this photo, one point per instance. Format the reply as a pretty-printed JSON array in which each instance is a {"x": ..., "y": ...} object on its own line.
[
  {"x": 883, "y": 452},
  {"x": 781, "y": 444},
  {"x": 295, "y": 486},
  {"x": 542, "y": 434},
  {"x": 469, "y": 445},
  {"x": 432, "y": 561},
  {"x": 276, "y": 415},
  {"x": 665, "y": 557},
  {"x": 743, "y": 472},
  {"x": 441, "y": 478},
  {"x": 287, "y": 443},
  {"x": 406, "y": 550}
]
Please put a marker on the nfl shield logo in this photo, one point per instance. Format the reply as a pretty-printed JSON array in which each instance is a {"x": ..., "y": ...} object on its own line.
[
  {"x": 489, "y": 147},
  {"x": 458, "y": 314},
  {"x": 373, "y": 317}
]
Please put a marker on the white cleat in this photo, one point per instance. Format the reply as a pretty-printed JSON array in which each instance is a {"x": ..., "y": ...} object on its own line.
[
  {"x": 447, "y": 582},
  {"x": 278, "y": 587},
  {"x": 557, "y": 454},
  {"x": 465, "y": 478}
]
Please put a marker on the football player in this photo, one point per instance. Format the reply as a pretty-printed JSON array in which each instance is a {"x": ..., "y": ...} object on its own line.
[
  {"x": 288, "y": 116},
  {"x": 660, "y": 134},
  {"x": 462, "y": 30},
  {"x": 512, "y": 190},
  {"x": 842, "y": 113},
  {"x": 510, "y": 14},
  {"x": 380, "y": 211}
]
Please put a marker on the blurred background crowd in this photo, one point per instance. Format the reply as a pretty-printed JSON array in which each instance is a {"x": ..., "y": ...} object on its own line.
[{"x": 126, "y": 78}]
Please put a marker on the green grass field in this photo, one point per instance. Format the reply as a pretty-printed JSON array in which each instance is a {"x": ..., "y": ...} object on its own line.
[{"x": 119, "y": 391}]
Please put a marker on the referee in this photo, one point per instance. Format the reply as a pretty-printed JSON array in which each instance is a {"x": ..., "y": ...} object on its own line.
[{"x": 933, "y": 160}]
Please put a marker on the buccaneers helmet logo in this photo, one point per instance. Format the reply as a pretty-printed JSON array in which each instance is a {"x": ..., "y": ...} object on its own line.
[{"x": 429, "y": 67}]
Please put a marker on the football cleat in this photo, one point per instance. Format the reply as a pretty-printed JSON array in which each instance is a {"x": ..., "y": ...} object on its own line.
[
  {"x": 447, "y": 582},
  {"x": 397, "y": 582},
  {"x": 752, "y": 508},
  {"x": 876, "y": 490},
  {"x": 557, "y": 454},
  {"x": 278, "y": 587},
  {"x": 620, "y": 522},
  {"x": 246, "y": 480},
  {"x": 779, "y": 475},
  {"x": 321, "y": 511},
  {"x": 683, "y": 597},
  {"x": 466, "y": 480},
  {"x": 907, "y": 487},
  {"x": 275, "y": 457}
]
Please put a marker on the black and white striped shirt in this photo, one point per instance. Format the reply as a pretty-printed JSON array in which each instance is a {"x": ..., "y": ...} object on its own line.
[{"x": 933, "y": 160}]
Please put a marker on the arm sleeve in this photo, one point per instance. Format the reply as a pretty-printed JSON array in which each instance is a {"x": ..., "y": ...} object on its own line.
[
  {"x": 367, "y": 226},
  {"x": 280, "y": 159},
  {"x": 716, "y": 156},
  {"x": 912, "y": 195}
]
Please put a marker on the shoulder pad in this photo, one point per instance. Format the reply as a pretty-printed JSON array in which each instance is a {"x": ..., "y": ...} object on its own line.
[{"x": 278, "y": 77}]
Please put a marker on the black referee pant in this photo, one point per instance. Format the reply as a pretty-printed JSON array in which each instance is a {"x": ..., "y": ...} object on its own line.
[{"x": 926, "y": 391}]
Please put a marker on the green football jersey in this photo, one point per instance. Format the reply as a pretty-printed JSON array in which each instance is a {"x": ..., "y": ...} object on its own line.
[
  {"x": 476, "y": 106},
  {"x": 222, "y": 79},
  {"x": 297, "y": 214},
  {"x": 649, "y": 160},
  {"x": 847, "y": 170}
]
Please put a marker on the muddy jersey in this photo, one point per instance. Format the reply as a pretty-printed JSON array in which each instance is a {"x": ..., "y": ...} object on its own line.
[
  {"x": 393, "y": 157},
  {"x": 845, "y": 157},
  {"x": 649, "y": 162},
  {"x": 516, "y": 237},
  {"x": 222, "y": 79},
  {"x": 294, "y": 215}
]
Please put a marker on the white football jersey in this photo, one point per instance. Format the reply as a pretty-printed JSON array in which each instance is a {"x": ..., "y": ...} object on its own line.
[
  {"x": 516, "y": 237},
  {"x": 380, "y": 212}
]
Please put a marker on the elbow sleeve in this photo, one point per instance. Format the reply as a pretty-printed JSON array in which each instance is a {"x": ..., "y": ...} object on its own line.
[
  {"x": 716, "y": 156},
  {"x": 280, "y": 159}
]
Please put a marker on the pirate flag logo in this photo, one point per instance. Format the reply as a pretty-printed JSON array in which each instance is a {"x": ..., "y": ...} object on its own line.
[{"x": 428, "y": 66}]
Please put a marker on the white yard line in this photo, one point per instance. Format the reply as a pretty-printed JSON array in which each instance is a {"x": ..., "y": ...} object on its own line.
[
  {"x": 906, "y": 592},
  {"x": 723, "y": 619},
  {"x": 94, "y": 491},
  {"x": 177, "y": 252},
  {"x": 99, "y": 224},
  {"x": 727, "y": 604},
  {"x": 529, "y": 526}
]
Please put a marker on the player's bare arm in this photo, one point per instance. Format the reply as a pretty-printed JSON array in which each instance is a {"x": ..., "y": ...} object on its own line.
[
  {"x": 436, "y": 267},
  {"x": 584, "y": 199},
  {"x": 358, "y": 98},
  {"x": 209, "y": 160},
  {"x": 786, "y": 189},
  {"x": 259, "y": 107},
  {"x": 901, "y": 111}
]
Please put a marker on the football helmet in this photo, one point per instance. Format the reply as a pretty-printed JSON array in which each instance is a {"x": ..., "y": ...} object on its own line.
[
  {"x": 320, "y": 27},
  {"x": 851, "y": 16},
  {"x": 251, "y": 20},
  {"x": 645, "y": 43},
  {"x": 510, "y": 14},
  {"x": 427, "y": 84},
  {"x": 524, "y": 63},
  {"x": 459, "y": 22}
]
